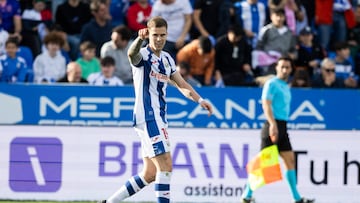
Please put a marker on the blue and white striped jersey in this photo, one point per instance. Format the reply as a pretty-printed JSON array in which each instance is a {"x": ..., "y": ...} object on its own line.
[
  {"x": 151, "y": 76},
  {"x": 251, "y": 16}
]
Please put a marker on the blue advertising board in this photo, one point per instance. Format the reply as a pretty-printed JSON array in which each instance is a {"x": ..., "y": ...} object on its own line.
[{"x": 238, "y": 108}]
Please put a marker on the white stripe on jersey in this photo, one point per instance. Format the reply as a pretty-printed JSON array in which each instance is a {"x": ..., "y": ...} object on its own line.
[
  {"x": 253, "y": 16},
  {"x": 150, "y": 81}
]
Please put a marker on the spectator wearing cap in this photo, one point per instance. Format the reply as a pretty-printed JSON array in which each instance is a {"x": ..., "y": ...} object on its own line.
[
  {"x": 309, "y": 52},
  {"x": 233, "y": 58}
]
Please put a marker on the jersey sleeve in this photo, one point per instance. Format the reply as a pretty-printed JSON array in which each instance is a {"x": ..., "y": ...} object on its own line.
[{"x": 267, "y": 93}]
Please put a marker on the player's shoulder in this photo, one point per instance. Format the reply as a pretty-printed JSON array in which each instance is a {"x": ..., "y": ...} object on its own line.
[{"x": 165, "y": 54}]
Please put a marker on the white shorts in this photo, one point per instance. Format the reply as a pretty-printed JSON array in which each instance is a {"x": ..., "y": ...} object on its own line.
[{"x": 154, "y": 138}]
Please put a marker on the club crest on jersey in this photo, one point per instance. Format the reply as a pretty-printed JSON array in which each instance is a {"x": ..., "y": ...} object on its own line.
[
  {"x": 159, "y": 76},
  {"x": 166, "y": 64}
]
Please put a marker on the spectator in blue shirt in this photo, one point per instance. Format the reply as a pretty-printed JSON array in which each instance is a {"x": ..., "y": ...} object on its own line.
[
  {"x": 117, "y": 11},
  {"x": 10, "y": 17},
  {"x": 13, "y": 68}
]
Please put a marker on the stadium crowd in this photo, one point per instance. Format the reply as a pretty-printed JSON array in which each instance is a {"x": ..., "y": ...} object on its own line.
[{"x": 215, "y": 42}]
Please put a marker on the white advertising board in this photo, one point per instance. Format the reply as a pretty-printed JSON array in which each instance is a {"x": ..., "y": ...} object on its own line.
[{"x": 90, "y": 163}]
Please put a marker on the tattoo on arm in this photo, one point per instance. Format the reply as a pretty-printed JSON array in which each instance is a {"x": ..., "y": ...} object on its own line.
[{"x": 134, "y": 51}]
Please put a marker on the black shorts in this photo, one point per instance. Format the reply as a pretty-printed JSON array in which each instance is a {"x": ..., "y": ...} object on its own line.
[{"x": 283, "y": 142}]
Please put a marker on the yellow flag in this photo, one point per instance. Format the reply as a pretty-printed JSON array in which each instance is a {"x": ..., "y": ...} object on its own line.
[{"x": 264, "y": 168}]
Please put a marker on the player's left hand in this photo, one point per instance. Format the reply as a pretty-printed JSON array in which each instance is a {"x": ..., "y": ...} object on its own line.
[
  {"x": 206, "y": 105},
  {"x": 273, "y": 133}
]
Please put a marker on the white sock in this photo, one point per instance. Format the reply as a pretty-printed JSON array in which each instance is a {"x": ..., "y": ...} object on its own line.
[
  {"x": 132, "y": 186},
  {"x": 162, "y": 186}
]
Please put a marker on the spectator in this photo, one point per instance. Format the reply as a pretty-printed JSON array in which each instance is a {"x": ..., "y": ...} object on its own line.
[
  {"x": 4, "y": 35},
  {"x": 12, "y": 68},
  {"x": 233, "y": 58},
  {"x": 106, "y": 76},
  {"x": 251, "y": 14},
  {"x": 291, "y": 10},
  {"x": 301, "y": 17},
  {"x": 310, "y": 10},
  {"x": 200, "y": 55},
  {"x": 309, "y": 53},
  {"x": 36, "y": 21},
  {"x": 354, "y": 40},
  {"x": 10, "y": 17},
  {"x": 211, "y": 18},
  {"x": 117, "y": 48},
  {"x": 138, "y": 14},
  {"x": 300, "y": 79},
  {"x": 50, "y": 65},
  {"x": 65, "y": 48},
  {"x": 344, "y": 65},
  {"x": 327, "y": 78},
  {"x": 343, "y": 62},
  {"x": 117, "y": 11},
  {"x": 275, "y": 40},
  {"x": 71, "y": 16},
  {"x": 26, "y": 54},
  {"x": 178, "y": 14},
  {"x": 73, "y": 74},
  {"x": 184, "y": 70},
  {"x": 98, "y": 30},
  {"x": 331, "y": 25},
  {"x": 88, "y": 62}
]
